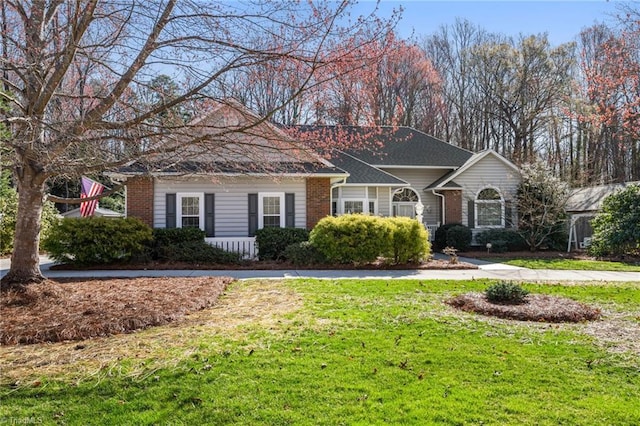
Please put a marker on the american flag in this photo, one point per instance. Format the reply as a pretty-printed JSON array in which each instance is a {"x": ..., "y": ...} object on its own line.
[{"x": 90, "y": 188}]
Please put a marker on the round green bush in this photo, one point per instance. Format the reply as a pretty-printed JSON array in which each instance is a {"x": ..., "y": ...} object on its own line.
[
  {"x": 506, "y": 292},
  {"x": 409, "y": 241},
  {"x": 459, "y": 237},
  {"x": 440, "y": 236},
  {"x": 352, "y": 238}
]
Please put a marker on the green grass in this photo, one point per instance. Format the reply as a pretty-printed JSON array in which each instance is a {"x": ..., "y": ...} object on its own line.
[
  {"x": 572, "y": 264},
  {"x": 365, "y": 352}
]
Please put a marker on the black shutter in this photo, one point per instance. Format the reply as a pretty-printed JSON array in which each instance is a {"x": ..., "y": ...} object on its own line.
[
  {"x": 171, "y": 211},
  {"x": 290, "y": 210},
  {"x": 209, "y": 215},
  {"x": 508, "y": 215},
  {"x": 253, "y": 214},
  {"x": 471, "y": 214}
]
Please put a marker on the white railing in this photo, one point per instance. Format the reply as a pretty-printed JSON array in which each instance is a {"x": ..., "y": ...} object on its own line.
[
  {"x": 432, "y": 230},
  {"x": 246, "y": 246}
]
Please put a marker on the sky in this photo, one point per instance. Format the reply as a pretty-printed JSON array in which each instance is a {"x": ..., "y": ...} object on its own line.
[{"x": 562, "y": 20}]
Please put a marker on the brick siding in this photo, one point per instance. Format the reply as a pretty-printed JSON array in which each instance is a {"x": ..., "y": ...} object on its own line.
[
  {"x": 318, "y": 200},
  {"x": 140, "y": 199},
  {"x": 453, "y": 206}
]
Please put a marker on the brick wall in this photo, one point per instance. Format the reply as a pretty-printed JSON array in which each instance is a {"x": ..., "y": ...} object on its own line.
[
  {"x": 453, "y": 206},
  {"x": 318, "y": 200},
  {"x": 140, "y": 199}
]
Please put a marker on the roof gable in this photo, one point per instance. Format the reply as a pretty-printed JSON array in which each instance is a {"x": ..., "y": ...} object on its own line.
[
  {"x": 447, "y": 181},
  {"x": 230, "y": 139},
  {"x": 363, "y": 173}
]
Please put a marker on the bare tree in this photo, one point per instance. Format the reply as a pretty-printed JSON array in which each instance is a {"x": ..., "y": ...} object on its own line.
[
  {"x": 73, "y": 71},
  {"x": 450, "y": 49},
  {"x": 523, "y": 83}
]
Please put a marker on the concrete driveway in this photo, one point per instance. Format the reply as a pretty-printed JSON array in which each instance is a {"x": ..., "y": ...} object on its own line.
[{"x": 489, "y": 270}]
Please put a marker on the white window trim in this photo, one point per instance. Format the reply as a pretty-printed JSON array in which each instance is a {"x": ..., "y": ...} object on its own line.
[
  {"x": 179, "y": 197},
  {"x": 375, "y": 206},
  {"x": 480, "y": 202},
  {"x": 365, "y": 205},
  {"x": 283, "y": 213}
]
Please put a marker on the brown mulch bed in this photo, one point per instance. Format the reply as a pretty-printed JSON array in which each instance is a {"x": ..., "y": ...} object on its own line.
[
  {"x": 537, "y": 307},
  {"x": 264, "y": 265},
  {"x": 60, "y": 310}
]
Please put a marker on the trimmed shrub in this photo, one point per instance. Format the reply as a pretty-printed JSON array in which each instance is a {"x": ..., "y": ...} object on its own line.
[
  {"x": 187, "y": 245},
  {"x": 440, "y": 236},
  {"x": 96, "y": 240},
  {"x": 172, "y": 236},
  {"x": 506, "y": 292},
  {"x": 409, "y": 241},
  {"x": 272, "y": 242},
  {"x": 195, "y": 252},
  {"x": 352, "y": 238},
  {"x": 459, "y": 237},
  {"x": 502, "y": 240},
  {"x": 303, "y": 254}
]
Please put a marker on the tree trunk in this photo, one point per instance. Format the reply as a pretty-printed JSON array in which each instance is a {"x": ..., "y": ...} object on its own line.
[{"x": 25, "y": 264}]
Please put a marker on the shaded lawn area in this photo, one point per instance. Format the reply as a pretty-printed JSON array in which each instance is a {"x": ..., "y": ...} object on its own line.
[
  {"x": 573, "y": 264},
  {"x": 342, "y": 352}
]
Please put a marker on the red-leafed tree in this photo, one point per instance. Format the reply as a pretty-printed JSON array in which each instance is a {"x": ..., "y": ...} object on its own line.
[
  {"x": 611, "y": 66},
  {"x": 72, "y": 73},
  {"x": 396, "y": 85}
]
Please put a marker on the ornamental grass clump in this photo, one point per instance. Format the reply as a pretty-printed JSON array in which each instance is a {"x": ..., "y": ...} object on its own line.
[{"x": 506, "y": 292}]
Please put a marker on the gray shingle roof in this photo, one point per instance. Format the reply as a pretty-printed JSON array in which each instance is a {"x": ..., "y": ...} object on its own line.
[
  {"x": 363, "y": 173},
  {"x": 404, "y": 146},
  {"x": 590, "y": 199},
  {"x": 196, "y": 167}
]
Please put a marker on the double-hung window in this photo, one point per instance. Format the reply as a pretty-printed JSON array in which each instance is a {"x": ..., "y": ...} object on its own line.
[
  {"x": 190, "y": 210},
  {"x": 271, "y": 210}
]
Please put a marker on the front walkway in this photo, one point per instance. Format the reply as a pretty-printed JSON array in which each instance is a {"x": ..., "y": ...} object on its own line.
[{"x": 497, "y": 271}]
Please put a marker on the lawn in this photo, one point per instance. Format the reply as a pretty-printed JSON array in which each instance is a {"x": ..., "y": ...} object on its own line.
[
  {"x": 341, "y": 352},
  {"x": 572, "y": 264}
]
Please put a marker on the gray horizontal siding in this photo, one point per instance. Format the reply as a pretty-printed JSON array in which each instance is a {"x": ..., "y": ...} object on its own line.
[
  {"x": 231, "y": 215},
  {"x": 488, "y": 172}
]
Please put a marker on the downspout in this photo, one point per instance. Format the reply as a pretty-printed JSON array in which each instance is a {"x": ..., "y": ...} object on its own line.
[
  {"x": 336, "y": 185},
  {"x": 433, "y": 191}
]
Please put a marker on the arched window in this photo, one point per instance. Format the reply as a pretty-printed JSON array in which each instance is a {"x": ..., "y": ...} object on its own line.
[
  {"x": 489, "y": 209},
  {"x": 404, "y": 202}
]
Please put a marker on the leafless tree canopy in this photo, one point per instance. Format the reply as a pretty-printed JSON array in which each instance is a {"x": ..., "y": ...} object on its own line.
[{"x": 93, "y": 85}]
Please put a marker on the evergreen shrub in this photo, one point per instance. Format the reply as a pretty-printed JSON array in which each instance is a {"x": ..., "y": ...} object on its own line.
[
  {"x": 303, "y": 254},
  {"x": 187, "y": 245},
  {"x": 459, "y": 237},
  {"x": 440, "y": 237},
  {"x": 409, "y": 241},
  {"x": 97, "y": 240},
  {"x": 502, "y": 240},
  {"x": 506, "y": 292},
  {"x": 272, "y": 242},
  {"x": 352, "y": 238}
]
